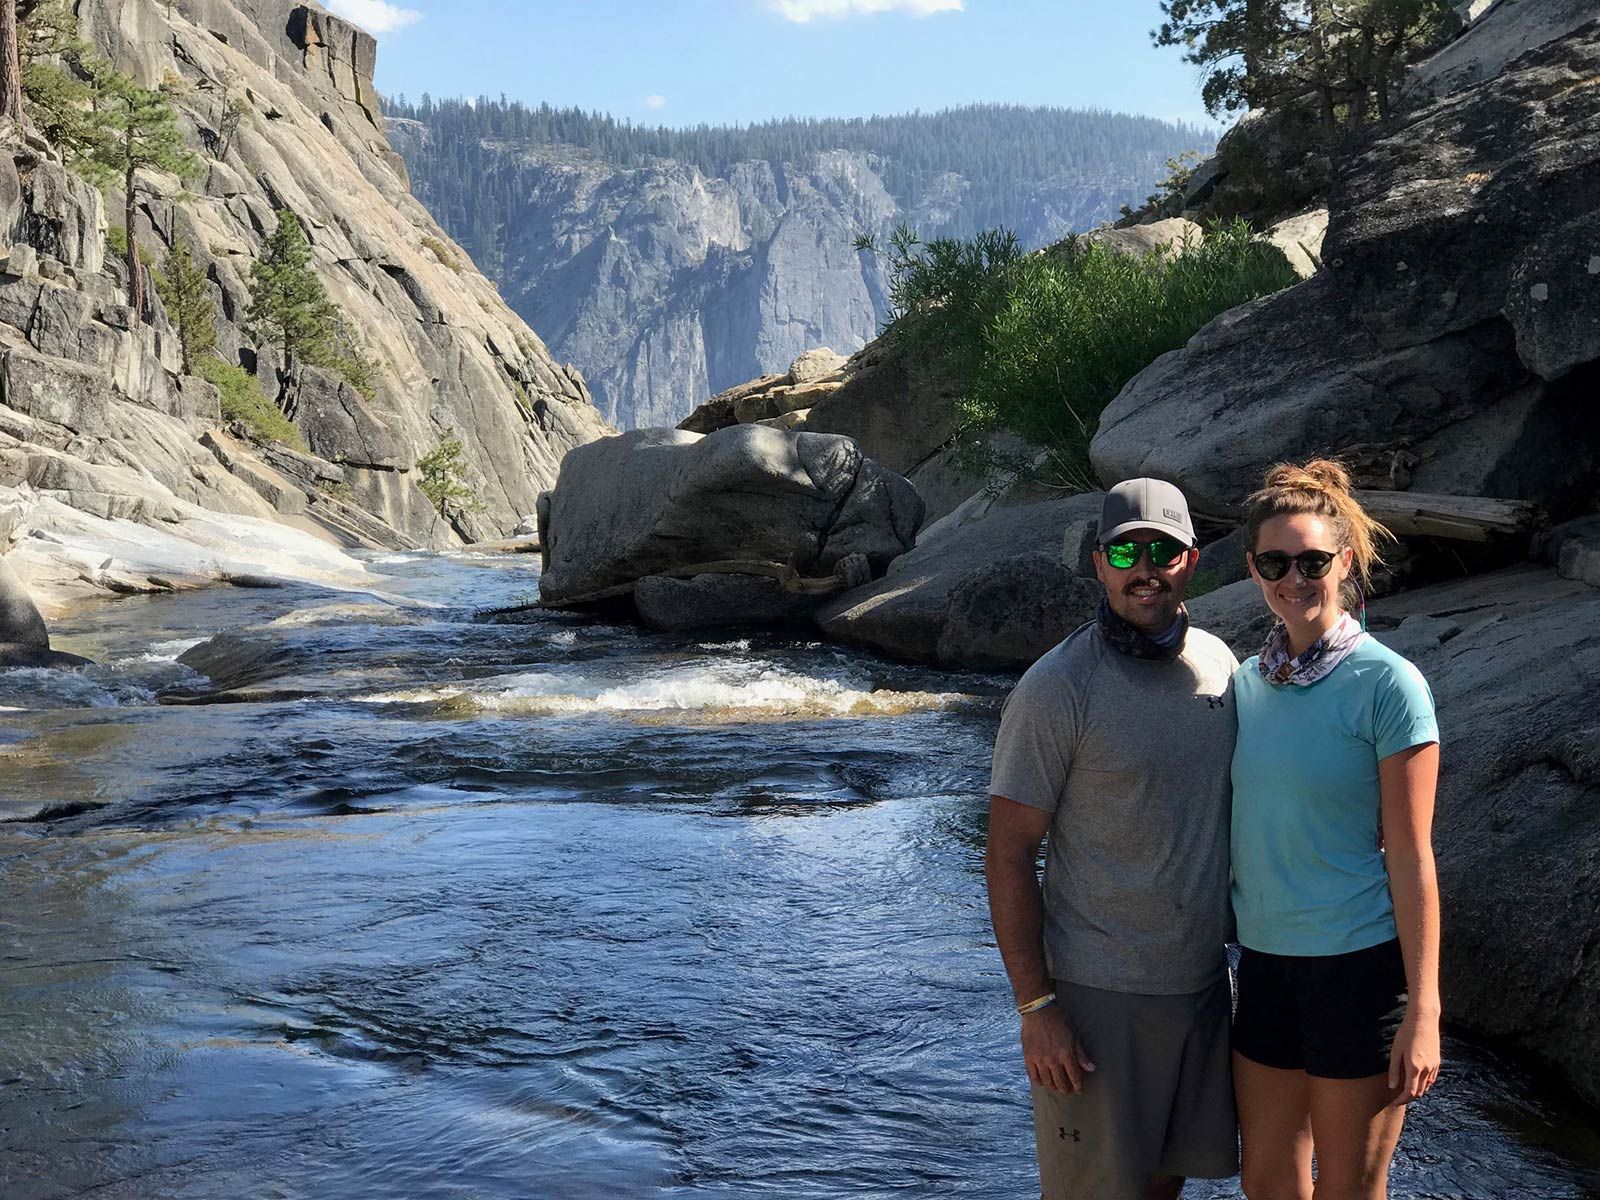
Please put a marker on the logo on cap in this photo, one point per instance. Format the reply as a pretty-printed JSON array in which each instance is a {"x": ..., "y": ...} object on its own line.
[{"x": 1172, "y": 516}]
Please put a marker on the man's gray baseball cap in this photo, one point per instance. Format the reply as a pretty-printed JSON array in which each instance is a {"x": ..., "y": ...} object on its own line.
[{"x": 1145, "y": 504}]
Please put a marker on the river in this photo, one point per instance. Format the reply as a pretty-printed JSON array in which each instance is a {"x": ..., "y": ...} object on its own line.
[{"x": 539, "y": 907}]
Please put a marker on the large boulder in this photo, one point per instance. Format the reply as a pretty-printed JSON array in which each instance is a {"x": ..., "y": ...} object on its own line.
[
  {"x": 24, "y": 640},
  {"x": 1432, "y": 222},
  {"x": 1455, "y": 314},
  {"x": 1300, "y": 239},
  {"x": 1511, "y": 658},
  {"x": 989, "y": 594},
  {"x": 662, "y": 501},
  {"x": 20, "y": 622},
  {"x": 899, "y": 410},
  {"x": 1174, "y": 235}
]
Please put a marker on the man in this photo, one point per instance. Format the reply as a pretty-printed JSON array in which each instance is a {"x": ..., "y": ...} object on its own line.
[{"x": 1118, "y": 744}]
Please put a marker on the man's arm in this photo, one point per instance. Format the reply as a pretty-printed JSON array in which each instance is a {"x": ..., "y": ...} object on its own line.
[{"x": 1016, "y": 907}]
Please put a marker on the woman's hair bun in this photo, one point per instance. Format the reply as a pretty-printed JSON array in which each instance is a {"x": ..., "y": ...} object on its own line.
[{"x": 1318, "y": 475}]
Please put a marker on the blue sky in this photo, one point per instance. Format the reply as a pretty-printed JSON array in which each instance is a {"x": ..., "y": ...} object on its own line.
[{"x": 680, "y": 62}]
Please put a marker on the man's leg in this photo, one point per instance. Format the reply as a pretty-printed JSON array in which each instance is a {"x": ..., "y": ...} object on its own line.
[
  {"x": 1105, "y": 1142},
  {"x": 1166, "y": 1188}
]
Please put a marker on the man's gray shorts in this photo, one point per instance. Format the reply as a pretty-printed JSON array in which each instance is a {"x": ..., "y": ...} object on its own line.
[{"x": 1159, "y": 1101}]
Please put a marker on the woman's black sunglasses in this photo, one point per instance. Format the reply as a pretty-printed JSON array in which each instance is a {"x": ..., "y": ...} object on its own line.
[{"x": 1273, "y": 565}]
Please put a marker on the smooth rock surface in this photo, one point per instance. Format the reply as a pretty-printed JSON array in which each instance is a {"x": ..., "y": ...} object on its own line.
[
  {"x": 1004, "y": 617},
  {"x": 897, "y": 410},
  {"x": 1172, "y": 235},
  {"x": 906, "y": 613},
  {"x": 1235, "y": 613},
  {"x": 1501, "y": 32},
  {"x": 1300, "y": 238},
  {"x": 660, "y": 500},
  {"x": 1516, "y": 832}
]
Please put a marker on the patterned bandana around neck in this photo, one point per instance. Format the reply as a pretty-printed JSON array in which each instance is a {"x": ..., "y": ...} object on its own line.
[
  {"x": 1318, "y": 659},
  {"x": 1136, "y": 643}
]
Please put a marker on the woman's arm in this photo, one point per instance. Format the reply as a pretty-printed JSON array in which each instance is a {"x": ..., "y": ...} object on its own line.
[{"x": 1407, "y": 783}]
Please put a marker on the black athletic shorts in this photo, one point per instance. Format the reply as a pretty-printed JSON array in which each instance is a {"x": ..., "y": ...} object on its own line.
[{"x": 1332, "y": 1016}]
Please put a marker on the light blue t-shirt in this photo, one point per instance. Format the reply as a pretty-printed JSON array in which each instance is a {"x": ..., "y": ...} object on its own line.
[{"x": 1308, "y": 876}]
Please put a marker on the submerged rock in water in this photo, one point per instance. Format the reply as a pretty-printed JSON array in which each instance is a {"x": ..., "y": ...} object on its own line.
[{"x": 711, "y": 601}]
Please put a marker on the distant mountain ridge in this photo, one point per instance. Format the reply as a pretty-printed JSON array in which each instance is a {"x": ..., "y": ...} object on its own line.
[{"x": 669, "y": 264}]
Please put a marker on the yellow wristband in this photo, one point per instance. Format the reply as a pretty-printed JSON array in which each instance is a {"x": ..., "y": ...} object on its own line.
[{"x": 1033, "y": 1006}]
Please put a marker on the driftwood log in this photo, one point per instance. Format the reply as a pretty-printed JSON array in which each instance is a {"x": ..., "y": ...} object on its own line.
[{"x": 1457, "y": 518}]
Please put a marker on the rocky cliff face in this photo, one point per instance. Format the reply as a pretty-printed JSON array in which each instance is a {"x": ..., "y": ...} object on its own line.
[
  {"x": 99, "y": 424},
  {"x": 665, "y": 286}
]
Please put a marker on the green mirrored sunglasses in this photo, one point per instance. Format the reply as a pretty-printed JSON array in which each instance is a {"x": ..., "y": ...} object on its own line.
[{"x": 1163, "y": 552}]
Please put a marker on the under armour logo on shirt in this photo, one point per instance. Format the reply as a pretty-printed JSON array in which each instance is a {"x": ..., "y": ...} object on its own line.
[
  {"x": 1061, "y": 1130},
  {"x": 1213, "y": 701}
]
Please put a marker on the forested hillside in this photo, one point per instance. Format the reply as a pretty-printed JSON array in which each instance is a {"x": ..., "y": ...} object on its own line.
[
  {"x": 668, "y": 263},
  {"x": 1003, "y": 151}
]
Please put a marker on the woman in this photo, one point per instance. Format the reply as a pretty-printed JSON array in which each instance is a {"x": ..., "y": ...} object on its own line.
[{"x": 1337, "y": 901}]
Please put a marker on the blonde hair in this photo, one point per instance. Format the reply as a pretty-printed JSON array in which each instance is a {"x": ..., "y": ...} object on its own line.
[{"x": 1321, "y": 488}]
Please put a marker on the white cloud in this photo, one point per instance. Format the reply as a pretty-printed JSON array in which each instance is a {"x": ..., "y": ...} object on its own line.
[
  {"x": 655, "y": 102},
  {"x": 804, "y": 11},
  {"x": 375, "y": 16}
]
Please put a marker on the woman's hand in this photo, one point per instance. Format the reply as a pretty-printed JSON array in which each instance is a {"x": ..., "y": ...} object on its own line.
[
  {"x": 1055, "y": 1057},
  {"x": 1414, "y": 1060}
]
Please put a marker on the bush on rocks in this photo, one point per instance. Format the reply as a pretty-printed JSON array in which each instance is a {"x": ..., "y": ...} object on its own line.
[
  {"x": 244, "y": 401},
  {"x": 1043, "y": 342}
]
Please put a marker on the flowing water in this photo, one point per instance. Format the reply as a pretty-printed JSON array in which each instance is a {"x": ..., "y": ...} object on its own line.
[{"x": 545, "y": 908}]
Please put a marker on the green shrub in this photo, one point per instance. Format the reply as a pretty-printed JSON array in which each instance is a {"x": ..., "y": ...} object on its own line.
[
  {"x": 944, "y": 293},
  {"x": 117, "y": 244},
  {"x": 443, "y": 472},
  {"x": 442, "y": 252},
  {"x": 1041, "y": 343},
  {"x": 243, "y": 401}
]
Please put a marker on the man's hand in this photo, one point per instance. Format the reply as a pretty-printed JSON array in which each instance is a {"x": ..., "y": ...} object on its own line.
[{"x": 1051, "y": 1050}]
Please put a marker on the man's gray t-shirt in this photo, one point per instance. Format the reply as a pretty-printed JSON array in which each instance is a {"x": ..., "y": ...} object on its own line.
[{"x": 1133, "y": 757}]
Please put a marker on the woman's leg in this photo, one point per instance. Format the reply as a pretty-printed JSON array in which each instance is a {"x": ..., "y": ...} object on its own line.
[
  {"x": 1356, "y": 1129},
  {"x": 1274, "y": 1131}
]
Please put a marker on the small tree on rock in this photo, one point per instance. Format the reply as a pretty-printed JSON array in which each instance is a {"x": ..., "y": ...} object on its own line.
[
  {"x": 289, "y": 307},
  {"x": 186, "y": 292},
  {"x": 140, "y": 132}
]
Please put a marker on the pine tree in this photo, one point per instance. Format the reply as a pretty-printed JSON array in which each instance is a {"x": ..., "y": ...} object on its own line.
[
  {"x": 186, "y": 292},
  {"x": 288, "y": 304},
  {"x": 139, "y": 131},
  {"x": 1343, "y": 58}
]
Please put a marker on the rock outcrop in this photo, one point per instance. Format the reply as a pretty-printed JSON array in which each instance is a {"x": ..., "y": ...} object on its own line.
[
  {"x": 664, "y": 286},
  {"x": 750, "y": 500},
  {"x": 992, "y": 594},
  {"x": 1457, "y": 314},
  {"x": 96, "y": 415},
  {"x": 1511, "y": 658},
  {"x": 1498, "y": 35}
]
